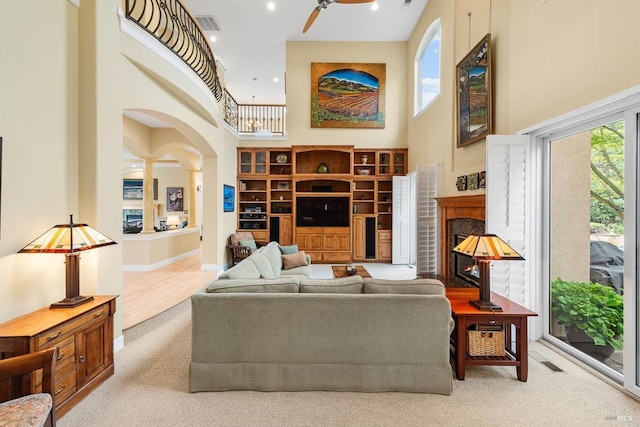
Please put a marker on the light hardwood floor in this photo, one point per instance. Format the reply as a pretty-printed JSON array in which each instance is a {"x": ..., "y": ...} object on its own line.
[{"x": 147, "y": 294}]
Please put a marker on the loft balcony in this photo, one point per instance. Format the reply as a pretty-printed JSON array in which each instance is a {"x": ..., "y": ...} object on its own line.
[{"x": 169, "y": 22}]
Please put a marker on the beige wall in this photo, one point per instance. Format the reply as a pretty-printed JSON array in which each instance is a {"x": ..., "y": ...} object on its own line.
[
  {"x": 548, "y": 58},
  {"x": 63, "y": 136},
  {"x": 38, "y": 121},
  {"x": 300, "y": 55}
]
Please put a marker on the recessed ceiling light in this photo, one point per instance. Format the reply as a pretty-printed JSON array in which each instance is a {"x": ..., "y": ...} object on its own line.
[
  {"x": 271, "y": 6},
  {"x": 375, "y": 6},
  {"x": 275, "y": 79},
  {"x": 213, "y": 38}
]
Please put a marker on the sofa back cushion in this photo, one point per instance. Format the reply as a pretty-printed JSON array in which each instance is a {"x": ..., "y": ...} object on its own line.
[
  {"x": 415, "y": 287},
  {"x": 245, "y": 269},
  {"x": 273, "y": 254},
  {"x": 284, "y": 285},
  {"x": 344, "y": 285},
  {"x": 263, "y": 265}
]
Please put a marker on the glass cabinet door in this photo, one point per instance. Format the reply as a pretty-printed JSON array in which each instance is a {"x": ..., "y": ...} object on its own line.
[
  {"x": 245, "y": 162},
  {"x": 261, "y": 162},
  {"x": 398, "y": 164},
  {"x": 384, "y": 163}
]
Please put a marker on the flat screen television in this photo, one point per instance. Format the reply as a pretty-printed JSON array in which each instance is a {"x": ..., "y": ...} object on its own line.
[{"x": 322, "y": 211}]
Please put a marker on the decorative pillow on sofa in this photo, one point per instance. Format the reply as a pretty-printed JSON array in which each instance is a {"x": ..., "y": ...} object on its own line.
[
  {"x": 344, "y": 285},
  {"x": 284, "y": 285},
  {"x": 416, "y": 286},
  {"x": 288, "y": 250},
  {"x": 294, "y": 260},
  {"x": 251, "y": 243}
]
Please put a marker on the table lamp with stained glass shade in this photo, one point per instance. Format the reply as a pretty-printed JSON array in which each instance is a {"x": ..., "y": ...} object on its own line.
[
  {"x": 484, "y": 249},
  {"x": 69, "y": 239}
]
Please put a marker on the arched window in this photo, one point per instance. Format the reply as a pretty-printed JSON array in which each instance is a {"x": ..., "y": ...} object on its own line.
[{"x": 427, "y": 69}]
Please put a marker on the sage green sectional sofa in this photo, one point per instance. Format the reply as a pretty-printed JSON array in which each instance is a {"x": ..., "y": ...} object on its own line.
[{"x": 293, "y": 333}]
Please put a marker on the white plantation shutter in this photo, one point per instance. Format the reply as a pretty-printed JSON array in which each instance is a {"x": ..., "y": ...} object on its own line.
[
  {"x": 507, "y": 212},
  {"x": 427, "y": 219},
  {"x": 400, "y": 238}
]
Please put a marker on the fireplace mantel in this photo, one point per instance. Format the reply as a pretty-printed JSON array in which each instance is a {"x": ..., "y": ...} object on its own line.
[{"x": 456, "y": 207}]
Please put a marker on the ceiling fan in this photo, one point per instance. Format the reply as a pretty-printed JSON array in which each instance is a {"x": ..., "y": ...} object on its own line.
[{"x": 322, "y": 4}]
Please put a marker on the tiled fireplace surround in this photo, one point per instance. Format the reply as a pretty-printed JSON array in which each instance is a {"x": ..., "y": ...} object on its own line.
[{"x": 460, "y": 216}]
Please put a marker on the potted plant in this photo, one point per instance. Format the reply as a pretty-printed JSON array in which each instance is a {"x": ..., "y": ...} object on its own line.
[{"x": 592, "y": 315}]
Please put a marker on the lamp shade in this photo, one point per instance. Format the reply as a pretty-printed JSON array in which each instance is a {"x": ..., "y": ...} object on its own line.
[
  {"x": 487, "y": 247},
  {"x": 69, "y": 239},
  {"x": 173, "y": 220}
]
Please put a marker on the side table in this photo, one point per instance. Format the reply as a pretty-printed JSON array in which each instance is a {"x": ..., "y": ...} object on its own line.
[
  {"x": 84, "y": 338},
  {"x": 464, "y": 314}
]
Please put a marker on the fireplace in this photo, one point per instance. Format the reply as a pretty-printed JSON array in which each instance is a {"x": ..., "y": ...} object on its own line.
[
  {"x": 459, "y": 217},
  {"x": 464, "y": 267}
]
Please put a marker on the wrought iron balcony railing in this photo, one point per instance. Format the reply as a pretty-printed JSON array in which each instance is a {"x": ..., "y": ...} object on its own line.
[
  {"x": 172, "y": 24},
  {"x": 254, "y": 118}
]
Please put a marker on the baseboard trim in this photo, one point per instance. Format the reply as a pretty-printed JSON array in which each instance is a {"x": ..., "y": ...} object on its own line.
[
  {"x": 118, "y": 344},
  {"x": 157, "y": 265}
]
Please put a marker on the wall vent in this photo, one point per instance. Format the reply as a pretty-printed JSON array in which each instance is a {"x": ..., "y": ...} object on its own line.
[{"x": 208, "y": 23}]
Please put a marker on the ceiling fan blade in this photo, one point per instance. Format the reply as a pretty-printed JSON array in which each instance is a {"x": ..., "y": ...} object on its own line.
[
  {"x": 354, "y": 1},
  {"x": 314, "y": 14}
]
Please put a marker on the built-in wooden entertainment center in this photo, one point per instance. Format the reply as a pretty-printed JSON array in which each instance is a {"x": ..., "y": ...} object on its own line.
[{"x": 334, "y": 201}]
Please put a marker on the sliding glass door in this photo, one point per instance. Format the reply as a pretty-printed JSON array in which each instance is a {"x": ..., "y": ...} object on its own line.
[{"x": 587, "y": 242}]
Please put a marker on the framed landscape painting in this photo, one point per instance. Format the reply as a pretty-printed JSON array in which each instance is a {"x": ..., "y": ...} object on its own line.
[
  {"x": 348, "y": 95},
  {"x": 132, "y": 189},
  {"x": 474, "y": 105}
]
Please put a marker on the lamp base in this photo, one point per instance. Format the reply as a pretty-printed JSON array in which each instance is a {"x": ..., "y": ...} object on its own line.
[
  {"x": 485, "y": 305},
  {"x": 71, "y": 302}
]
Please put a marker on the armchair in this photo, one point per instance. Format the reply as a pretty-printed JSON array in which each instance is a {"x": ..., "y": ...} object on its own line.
[
  {"x": 242, "y": 244},
  {"x": 19, "y": 405}
]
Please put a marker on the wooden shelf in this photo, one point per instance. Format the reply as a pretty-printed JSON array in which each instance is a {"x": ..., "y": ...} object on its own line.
[{"x": 265, "y": 176}]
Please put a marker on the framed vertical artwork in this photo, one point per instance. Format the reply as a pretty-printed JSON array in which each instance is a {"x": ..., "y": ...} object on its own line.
[
  {"x": 174, "y": 199},
  {"x": 348, "y": 95},
  {"x": 229, "y": 195},
  {"x": 474, "y": 104}
]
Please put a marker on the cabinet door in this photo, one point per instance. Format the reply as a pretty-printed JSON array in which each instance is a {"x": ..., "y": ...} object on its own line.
[
  {"x": 286, "y": 230},
  {"x": 245, "y": 162},
  {"x": 385, "y": 163},
  {"x": 94, "y": 351},
  {"x": 384, "y": 246},
  {"x": 310, "y": 241},
  {"x": 260, "y": 162},
  {"x": 252, "y": 161},
  {"x": 359, "y": 241},
  {"x": 399, "y": 163}
]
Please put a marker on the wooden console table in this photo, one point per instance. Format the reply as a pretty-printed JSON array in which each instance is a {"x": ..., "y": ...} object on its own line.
[
  {"x": 465, "y": 315},
  {"x": 84, "y": 337}
]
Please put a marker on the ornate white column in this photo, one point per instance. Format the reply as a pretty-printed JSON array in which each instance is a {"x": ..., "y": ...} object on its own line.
[
  {"x": 147, "y": 196},
  {"x": 191, "y": 218}
]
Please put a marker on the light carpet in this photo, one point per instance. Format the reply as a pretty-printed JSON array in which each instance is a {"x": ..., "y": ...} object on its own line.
[{"x": 150, "y": 388}]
